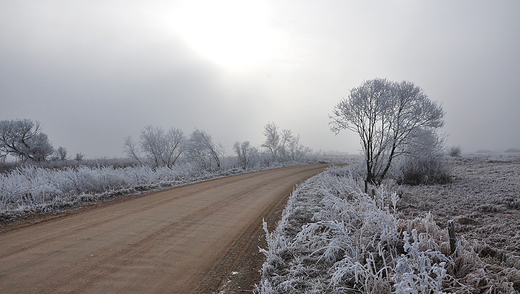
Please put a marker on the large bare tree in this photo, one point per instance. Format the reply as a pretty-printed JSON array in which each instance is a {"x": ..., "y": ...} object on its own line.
[{"x": 386, "y": 115}]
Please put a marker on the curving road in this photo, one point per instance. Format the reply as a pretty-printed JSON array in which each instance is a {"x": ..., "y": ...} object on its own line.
[{"x": 182, "y": 240}]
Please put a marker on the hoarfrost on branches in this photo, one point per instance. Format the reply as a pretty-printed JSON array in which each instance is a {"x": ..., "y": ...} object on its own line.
[
  {"x": 160, "y": 148},
  {"x": 282, "y": 145},
  {"x": 386, "y": 116}
]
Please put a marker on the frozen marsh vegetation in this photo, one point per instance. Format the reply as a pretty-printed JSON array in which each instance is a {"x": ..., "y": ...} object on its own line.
[{"x": 333, "y": 238}]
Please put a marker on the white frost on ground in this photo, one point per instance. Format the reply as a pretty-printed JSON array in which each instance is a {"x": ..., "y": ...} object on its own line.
[
  {"x": 33, "y": 189},
  {"x": 483, "y": 199},
  {"x": 333, "y": 238}
]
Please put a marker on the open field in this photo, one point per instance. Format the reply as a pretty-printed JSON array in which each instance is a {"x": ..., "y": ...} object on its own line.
[
  {"x": 483, "y": 200},
  {"x": 183, "y": 240}
]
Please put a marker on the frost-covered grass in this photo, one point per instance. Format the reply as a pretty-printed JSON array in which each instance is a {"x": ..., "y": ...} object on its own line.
[
  {"x": 333, "y": 238},
  {"x": 483, "y": 199},
  {"x": 32, "y": 189},
  {"x": 36, "y": 189}
]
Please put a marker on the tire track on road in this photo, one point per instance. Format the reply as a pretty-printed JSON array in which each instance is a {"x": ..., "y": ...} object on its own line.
[{"x": 93, "y": 223}]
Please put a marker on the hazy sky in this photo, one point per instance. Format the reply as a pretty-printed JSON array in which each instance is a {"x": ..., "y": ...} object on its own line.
[{"x": 93, "y": 72}]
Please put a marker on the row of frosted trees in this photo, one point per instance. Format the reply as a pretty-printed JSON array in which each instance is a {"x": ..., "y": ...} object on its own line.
[{"x": 159, "y": 147}]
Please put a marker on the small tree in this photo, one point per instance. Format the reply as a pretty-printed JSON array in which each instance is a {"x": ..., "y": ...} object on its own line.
[
  {"x": 202, "y": 151},
  {"x": 272, "y": 140},
  {"x": 24, "y": 139},
  {"x": 79, "y": 156},
  {"x": 294, "y": 150},
  {"x": 283, "y": 146},
  {"x": 245, "y": 153},
  {"x": 61, "y": 153},
  {"x": 385, "y": 115},
  {"x": 159, "y": 147}
]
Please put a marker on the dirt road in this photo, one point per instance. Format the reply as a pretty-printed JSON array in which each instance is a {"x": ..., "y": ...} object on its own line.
[{"x": 183, "y": 240}]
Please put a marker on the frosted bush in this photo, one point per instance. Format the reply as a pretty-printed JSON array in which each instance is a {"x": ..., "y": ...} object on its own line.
[{"x": 455, "y": 151}]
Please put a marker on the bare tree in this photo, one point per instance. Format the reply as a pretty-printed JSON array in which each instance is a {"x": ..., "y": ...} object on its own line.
[
  {"x": 152, "y": 145},
  {"x": 295, "y": 150},
  {"x": 272, "y": 139},
  {"x": 283, "y": 145},
  {"x": 132, "y": 149},
  {"x": 159, "y": 147},
  {"x": 284, "y": 152},
  {"x": 246, "y": 153},
  {"x": 79, "y": 156},
  {"x": 202, "y": 151},
  {"x": 61, "y": 153},
  {"x": 173, "y": 146},
  {"x": 24, "y": 139},
  {"x": 385, "y": 115}
]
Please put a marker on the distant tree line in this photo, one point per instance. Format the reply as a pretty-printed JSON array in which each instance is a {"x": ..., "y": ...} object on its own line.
[
  {"x": 280, "y": 146},
  {"x": 158, "y": 147},
  {"x": 23, "y": 140}
]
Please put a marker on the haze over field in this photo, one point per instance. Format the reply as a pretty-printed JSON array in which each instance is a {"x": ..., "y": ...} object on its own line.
[{"x": 93, "y": 72}]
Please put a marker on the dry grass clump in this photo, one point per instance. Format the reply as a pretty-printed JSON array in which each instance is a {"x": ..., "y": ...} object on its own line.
[
  {"x": 455, "y": 151},
  {"x": 490, "y": 208},
  {"x": 513, "y": 204},
  {"x": 423, "y": 171},
  {"x": 356, "y": 243}
]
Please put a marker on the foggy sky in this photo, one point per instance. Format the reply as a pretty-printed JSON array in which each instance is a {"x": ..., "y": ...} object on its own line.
[{"x": 94, "y": 72}]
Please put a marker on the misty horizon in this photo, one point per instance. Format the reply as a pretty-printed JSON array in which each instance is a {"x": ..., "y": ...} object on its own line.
[{"x": 93, "y": 73}]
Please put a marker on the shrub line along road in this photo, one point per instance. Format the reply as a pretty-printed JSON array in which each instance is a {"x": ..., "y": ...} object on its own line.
[{"x": 182, "y": 240}]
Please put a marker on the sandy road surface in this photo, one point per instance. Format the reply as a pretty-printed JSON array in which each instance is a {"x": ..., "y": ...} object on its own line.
[{"x": 183, "y": 240}]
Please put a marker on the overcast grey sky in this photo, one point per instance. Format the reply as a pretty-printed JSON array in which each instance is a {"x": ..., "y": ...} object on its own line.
[{"x": 92, "y": 72}]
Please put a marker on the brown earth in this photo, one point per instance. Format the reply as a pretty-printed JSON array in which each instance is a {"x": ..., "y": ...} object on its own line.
[{"x": 199, "y": 238}]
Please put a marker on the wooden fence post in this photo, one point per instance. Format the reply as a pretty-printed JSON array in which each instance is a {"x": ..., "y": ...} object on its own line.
[{"x": 453, "y": 239}]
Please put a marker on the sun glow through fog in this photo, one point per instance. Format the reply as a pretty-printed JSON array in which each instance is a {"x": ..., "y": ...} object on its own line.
[{"x": 231, "y": 33}]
